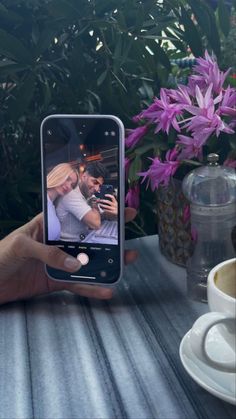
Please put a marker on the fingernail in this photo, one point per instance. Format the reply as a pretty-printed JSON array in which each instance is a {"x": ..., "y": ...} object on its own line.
[{"x": 72, "y": 263}]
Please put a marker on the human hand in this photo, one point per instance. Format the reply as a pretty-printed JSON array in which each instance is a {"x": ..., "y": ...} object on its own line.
[
  {"x": 93, "y": 201},
  {"x": 22, "y": 259},
  {"x": 109, "y": 206}
]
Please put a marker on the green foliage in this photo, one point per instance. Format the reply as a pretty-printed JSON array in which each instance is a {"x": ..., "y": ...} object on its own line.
[
  {"x": 228, "y": 55},
  {"x": 87, "y": 56}
]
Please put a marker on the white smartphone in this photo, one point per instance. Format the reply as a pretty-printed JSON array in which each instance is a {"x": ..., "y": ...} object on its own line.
[{"x": 83, "y": 194}]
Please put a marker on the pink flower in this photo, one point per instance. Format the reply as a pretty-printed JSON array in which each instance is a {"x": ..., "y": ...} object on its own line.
[
  {"x": 162, "y": 112},
  {"x": 192, "y": 147},
  {"x": 206, "y": 119},
  {"x": 191, "y": 115},
  {"x": 228, "y": 104},
  {"x": 167, "y": 113},
  {"x": 171, "y": 155},
  {"x": 181, "y": 95},
  {"x": 149, "y": 113},
  {"x": 230, "y": 163},
  {"x": 160, "y": 172},
  {"x": 135, "y": 135},
  {"x": 132, "y": 197},
  {"x": 208, "y": 72}
]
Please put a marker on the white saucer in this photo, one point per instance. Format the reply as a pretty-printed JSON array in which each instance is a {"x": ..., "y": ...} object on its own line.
[{"x": 220, "y": 384}]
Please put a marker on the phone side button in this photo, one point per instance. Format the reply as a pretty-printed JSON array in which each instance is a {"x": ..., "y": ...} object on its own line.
[{"x": 83, "y": 258}]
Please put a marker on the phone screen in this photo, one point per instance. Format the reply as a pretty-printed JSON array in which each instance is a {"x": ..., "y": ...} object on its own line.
[{"x": 82, "y": 161}]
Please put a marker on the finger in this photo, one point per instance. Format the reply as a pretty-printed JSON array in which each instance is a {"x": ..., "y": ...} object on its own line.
[
  {"x": 108, "y": 207},
  {"x": 130, "y": 214},
  {"x": 90, "y": 291},
  {"x": 35, "y": 228},
  {"x": 105, "y": 202},
  {"x": 32, "y": 227},
  {"x": 50, "y": 255},
  {"x": 111, "y": 196},
  {"x": 130, "y": 256}
]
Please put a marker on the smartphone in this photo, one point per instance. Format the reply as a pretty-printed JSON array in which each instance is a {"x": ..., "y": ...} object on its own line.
[
  {"x": 83, "y": 156},
  {"x": 105, "y": 189}
]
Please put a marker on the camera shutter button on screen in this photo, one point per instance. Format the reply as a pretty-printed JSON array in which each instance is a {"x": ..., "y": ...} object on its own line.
[{"x": 83, "y": 258}]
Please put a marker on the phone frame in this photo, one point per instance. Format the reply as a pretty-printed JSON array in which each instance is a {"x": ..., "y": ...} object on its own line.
[{"x": 121, "y": 191}]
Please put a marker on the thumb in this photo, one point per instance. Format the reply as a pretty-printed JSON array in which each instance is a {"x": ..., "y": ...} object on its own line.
[{"x": 51, "y": 255}]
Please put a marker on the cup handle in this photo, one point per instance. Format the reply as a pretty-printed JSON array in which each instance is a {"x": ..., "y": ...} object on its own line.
[{"x": 198, "y": 337}]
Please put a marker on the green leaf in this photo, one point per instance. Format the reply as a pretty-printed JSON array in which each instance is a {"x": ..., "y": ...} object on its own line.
[
  {"x": 119, "y": 81},
  {"x": 231, "y": 81},
  {"x": 191, "y": 33},
  {"x": 134, "y": 168},
  {"x": 3, "y": 9},
  {"x": 12, "y": 48},
  {"x": 201, "y": 15},
  {"x": 8, "y": 68},
  {"x": 96, "y": 97},
  {"x": 62, "y": 9},
  {"x": 143, "y": 149},
  {"x": 214, "y": 37},
  {"x": 118, "y": 48},
  {"x": 177, "y": 42},
  {"x": 146, "y": 90},
  {"x": 8, "y": 16},
  {"x": 207, "y": 21},
  {"x": 22, "y": 96},
  {"x": 45, "y": 40},
  {"x": 160, "y": 54},
  {"x": 6, "y": 63},
  {"x": 47, "y": 94},
  {"x": 102, "y": 78},
  {"x": 224, "y": 17}
]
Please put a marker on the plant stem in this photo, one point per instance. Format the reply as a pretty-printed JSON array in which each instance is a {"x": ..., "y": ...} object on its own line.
[{"x": 192, "y": 162}]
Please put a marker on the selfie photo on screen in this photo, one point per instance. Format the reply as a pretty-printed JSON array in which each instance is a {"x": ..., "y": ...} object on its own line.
[{"x": 82, "y": 184}]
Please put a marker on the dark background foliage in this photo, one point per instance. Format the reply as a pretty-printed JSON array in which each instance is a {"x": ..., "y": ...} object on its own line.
[{"x": 97, "y": 56}]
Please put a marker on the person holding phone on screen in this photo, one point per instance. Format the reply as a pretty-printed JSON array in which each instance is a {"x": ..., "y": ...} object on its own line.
[{"x": 79, "y": 210}]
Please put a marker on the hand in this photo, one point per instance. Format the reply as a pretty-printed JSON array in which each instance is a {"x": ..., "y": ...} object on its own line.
[
  {"x": 22, "y": 259},
  {"x": 109, "y": 206},
  {"x": 93, "y": 201}
]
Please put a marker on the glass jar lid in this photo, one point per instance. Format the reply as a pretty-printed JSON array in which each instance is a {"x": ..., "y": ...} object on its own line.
[{"x": 210, "y": 185}]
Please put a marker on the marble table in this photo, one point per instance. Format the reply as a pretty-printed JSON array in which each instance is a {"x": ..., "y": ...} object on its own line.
[{"x": 64, "y": 357}]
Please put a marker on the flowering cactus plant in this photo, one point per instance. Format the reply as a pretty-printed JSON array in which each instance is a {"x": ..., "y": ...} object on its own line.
[{"x": 181, "y": 127}]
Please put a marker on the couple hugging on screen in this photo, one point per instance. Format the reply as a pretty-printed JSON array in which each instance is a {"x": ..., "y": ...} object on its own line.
[{"x": 73, "y": 209}]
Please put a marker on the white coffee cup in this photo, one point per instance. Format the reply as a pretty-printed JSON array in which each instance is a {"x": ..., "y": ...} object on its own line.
[{"x": 221, "y": 293}]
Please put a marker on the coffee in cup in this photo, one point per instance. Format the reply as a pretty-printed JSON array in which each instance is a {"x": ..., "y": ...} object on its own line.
[{"x": 221, "y": 293}]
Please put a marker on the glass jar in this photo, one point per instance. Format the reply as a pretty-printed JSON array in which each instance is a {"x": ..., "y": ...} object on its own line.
[{"x": 211, "y": 190}]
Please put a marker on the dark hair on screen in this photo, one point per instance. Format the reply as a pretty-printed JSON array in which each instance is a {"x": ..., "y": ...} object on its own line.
[{"x": 97, "y": 169}]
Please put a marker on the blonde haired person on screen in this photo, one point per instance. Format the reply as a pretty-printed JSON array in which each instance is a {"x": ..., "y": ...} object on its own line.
[{"x": 60, "y": 181}]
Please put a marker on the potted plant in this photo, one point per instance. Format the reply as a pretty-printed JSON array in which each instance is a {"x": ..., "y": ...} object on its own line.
[{"x": 174, "y": 135}]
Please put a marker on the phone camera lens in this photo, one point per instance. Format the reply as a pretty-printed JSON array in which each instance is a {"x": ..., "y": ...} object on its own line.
[
  {"x": 103, "y": 274},
  {"x": 49, "y": 132}
]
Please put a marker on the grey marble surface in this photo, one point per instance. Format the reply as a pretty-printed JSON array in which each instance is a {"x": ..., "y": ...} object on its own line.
[{"x": 63, "y": 356}]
